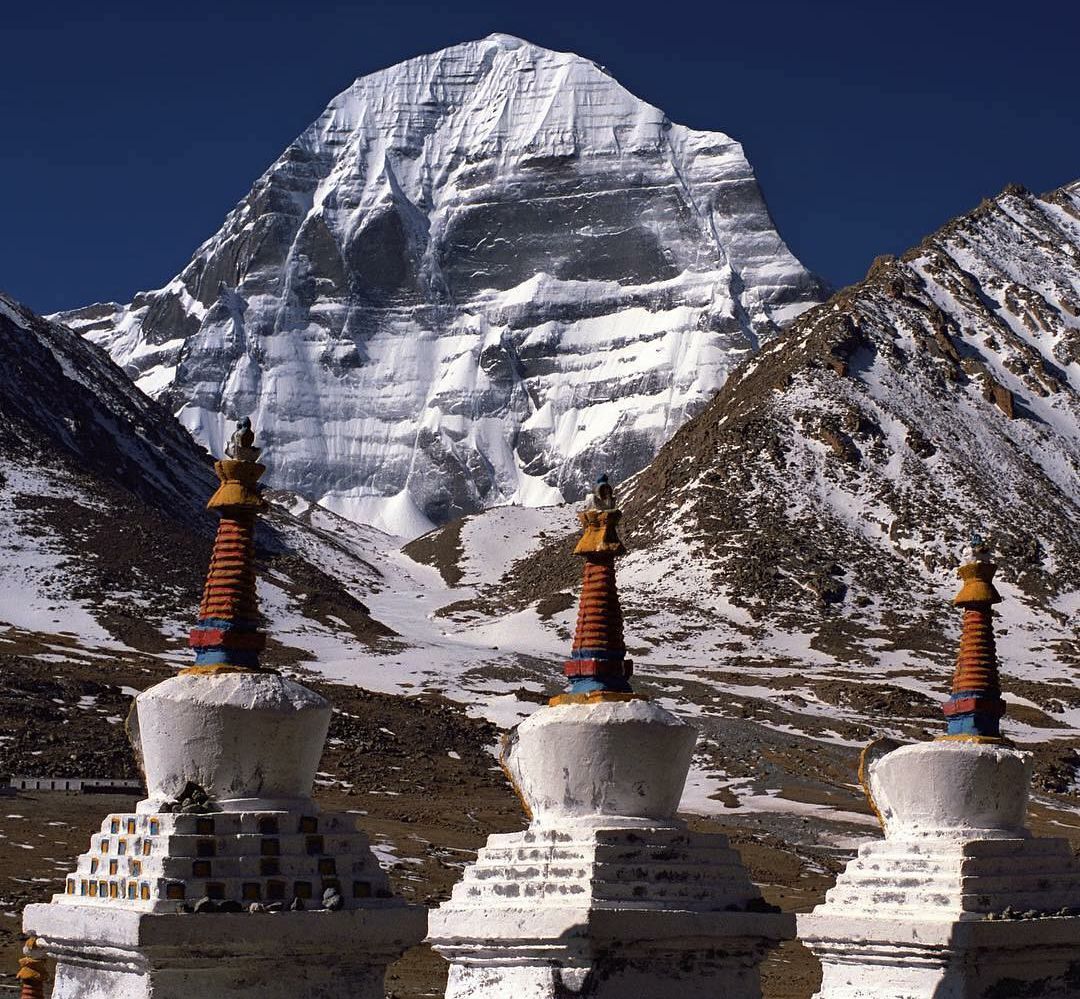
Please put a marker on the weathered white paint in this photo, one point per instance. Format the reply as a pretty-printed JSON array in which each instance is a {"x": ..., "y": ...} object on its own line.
[
  {"x": 169, "y": 857},
  {"x": 121, "y": 954},
  {"x": 594, "y": 761},
  {"x": 251, "y": 740},
  {"x": 606, "y": 893},
  {"x": 907, "y": 917},
  {"x": 952, "y": 788}
]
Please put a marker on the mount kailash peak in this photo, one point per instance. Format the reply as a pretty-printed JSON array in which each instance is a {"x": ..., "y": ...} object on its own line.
[{"x": 477, "y": 277}]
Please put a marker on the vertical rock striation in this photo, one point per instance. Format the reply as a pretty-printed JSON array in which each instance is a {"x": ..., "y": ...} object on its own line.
[{"x": 476, "y": 276}]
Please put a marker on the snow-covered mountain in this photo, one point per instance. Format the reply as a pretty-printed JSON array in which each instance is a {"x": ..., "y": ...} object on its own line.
[
  {"x": 104, "y": 533},
  {"x": 476, "y": 277}
]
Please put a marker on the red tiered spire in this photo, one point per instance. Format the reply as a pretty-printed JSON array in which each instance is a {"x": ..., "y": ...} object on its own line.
[
  {"x": 228, "y": 638},
  {"x": 599, "y": 620},
  {"x": 598, "y": 666},
  {"x": 975, "y": 708},
  {"x": 229, "y": 592}
]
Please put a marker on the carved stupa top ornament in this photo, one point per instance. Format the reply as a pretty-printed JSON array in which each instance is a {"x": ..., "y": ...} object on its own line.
[
  {"x": 598, "y": 668},
  {"x": 228, "y": 637},
  {"x": 975, "y": 707}
]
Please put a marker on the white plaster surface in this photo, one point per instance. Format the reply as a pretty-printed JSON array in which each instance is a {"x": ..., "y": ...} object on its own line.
[
  {"x": 606, "y": 894},
  {"x": 952, "y": 788},
  {"x": 250, "y": 740},
  {"x": 908, "y": 919},
  {"x": 136, "y": 859},
  {"x": 122, "y": 954},
  {"x": 589, "y": 762}
]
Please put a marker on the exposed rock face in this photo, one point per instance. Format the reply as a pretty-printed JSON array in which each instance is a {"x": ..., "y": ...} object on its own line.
[
  {"x": 827, "y": 492},
  {"x": 63, "y": 402},
  {"x": 478, "y": 276}
]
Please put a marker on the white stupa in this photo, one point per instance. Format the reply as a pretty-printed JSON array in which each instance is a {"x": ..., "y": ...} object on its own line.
[
  {"x": 606, "y": 893},
  {"x": 227, "y": 880},
  {"x": 959, "y": 901}
]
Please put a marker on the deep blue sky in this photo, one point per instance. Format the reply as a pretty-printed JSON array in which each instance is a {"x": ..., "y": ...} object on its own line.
[{"x": 127, "y": 131}]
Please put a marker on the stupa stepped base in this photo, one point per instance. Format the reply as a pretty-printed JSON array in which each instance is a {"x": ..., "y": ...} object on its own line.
[
  {"x": 945, "y": 959},
  {"x": 603, "y": 952},
  {"x": 651, "y": 866},
  {"x": 162, "y": 862},
  {"x": 967, "y": 878},
  {"x": 594, "y": 911},
  {"x": 115, "y": 953},
  {"x": 908, "y": 919}
]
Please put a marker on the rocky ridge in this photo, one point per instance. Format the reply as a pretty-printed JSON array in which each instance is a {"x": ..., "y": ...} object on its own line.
[
  {"x": 475, "y": 277},
  {"x": 794, "y": 546}
]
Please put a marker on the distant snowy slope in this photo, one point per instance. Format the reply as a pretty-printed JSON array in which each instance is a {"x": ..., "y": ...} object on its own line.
[
  {"x": 801, "y": 534},
  {"x": 478, "y": 275},
  {"x": 104, "y": 533}
]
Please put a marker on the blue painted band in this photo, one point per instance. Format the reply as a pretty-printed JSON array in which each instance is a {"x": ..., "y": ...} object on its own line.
[
  {"x": 229, "y": 657},
  {"x": 223, "y": 625},
  {"x": 588, "y": 684},
  {"x": 975, "y": 723},
  {"x": 609, "y": 655}
]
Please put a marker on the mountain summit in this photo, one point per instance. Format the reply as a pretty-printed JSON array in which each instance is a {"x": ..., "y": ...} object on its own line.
[{"x": 478, "y": 276}]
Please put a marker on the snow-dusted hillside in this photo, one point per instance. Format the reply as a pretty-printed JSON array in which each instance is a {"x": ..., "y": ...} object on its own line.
[
  {"x": 104, "y": 533},
  {"x": 793, "y": 547},
  {"x": 821, "y": 502},
  {"x": 477, "y": 276}
]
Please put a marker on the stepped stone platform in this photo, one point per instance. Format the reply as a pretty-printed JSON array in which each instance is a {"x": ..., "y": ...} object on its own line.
[{"x": 151, "y": 861}]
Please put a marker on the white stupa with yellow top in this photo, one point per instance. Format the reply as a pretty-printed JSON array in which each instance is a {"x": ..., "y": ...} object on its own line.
[
  {"x": 960, "y": 900},
  {"x": 227, "y": 880},
  {"x": 606, "y": 893}
]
